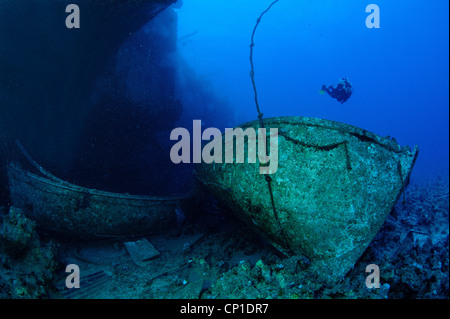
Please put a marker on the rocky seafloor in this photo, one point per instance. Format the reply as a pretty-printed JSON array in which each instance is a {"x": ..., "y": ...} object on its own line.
[{"x": 214, "y": 256}]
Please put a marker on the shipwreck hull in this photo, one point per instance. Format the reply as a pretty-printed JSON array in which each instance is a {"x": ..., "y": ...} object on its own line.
[
  {"x": 70, "y": 210},
  {"x": 334, "y": 187}
]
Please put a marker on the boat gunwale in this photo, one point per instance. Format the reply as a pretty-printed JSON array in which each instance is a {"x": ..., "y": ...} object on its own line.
[
  {"x": 336, "y": 126},
  {"x": 83, "y": 190}
]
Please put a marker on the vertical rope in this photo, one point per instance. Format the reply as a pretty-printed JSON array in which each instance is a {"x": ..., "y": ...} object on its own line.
[
  {"x": 252, "y": 71},
  {"x": 261, "y": 121}
]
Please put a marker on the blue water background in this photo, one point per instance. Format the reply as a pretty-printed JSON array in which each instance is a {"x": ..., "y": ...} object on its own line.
[{"x": 399, "y": 72}]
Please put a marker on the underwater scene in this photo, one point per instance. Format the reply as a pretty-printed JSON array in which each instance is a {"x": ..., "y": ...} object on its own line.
[{"x": 224, "y": 149}]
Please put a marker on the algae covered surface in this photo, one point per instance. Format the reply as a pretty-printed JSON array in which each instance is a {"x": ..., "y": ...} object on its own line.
[{"x": 334, "y": 187}]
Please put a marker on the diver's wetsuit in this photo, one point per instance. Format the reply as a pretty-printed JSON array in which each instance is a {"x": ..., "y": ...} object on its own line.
[{"x": 342, "y": 92}]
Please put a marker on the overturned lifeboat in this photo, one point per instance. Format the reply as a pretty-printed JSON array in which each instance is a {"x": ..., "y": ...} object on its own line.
[
  {"x": 334, "y": 188},
  {"x": 70, "y": 210}
]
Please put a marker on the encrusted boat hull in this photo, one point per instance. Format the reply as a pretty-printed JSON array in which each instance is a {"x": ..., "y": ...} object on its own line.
[
  {"x": 334, "y": 187},
  {"x": 70, "y": 210}
]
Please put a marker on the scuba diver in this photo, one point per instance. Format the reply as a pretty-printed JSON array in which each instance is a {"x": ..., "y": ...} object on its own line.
[{"x": 341, "y": 92}]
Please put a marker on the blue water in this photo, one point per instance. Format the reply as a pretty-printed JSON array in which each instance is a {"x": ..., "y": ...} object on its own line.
[{"x": 399, "y": 71}]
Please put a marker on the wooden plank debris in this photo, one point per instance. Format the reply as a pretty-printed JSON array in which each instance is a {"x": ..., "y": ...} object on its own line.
[{"x": 141, "y": 251}]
